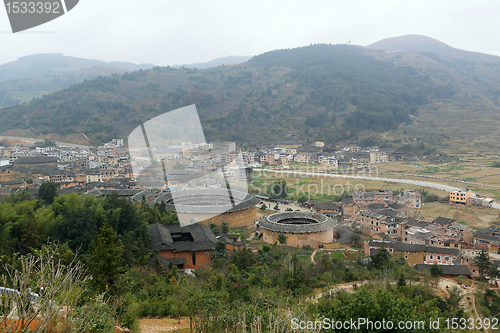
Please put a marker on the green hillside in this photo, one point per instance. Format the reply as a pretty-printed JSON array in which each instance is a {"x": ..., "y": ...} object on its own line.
[{"x": 320, "y": 92}]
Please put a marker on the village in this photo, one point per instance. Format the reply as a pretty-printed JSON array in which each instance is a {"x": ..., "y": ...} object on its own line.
[{"x": 368, "y": 220}]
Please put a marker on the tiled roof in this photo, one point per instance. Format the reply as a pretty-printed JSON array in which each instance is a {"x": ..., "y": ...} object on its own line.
[
  {"x": 441, "y": 250},
  {"x": 443, "y": 220},
  {"x": 36, "y": 159},
  {"x": 423, "y": 235},
  {"x": 447, "y": 269},
  {"x": 231, "y": 240},
  {"x": 327, "y": 206},
  {"x": 161, "y": 238},
  {"x": 345, "y": 234},
  {"x": 399, "y": 246},
  {"x": 396, "y": 206},
  {"x": 458, "y": 226},
  {"x": 374, "y": 206},
  {"x": 415, "y": 223},
  {"x": 492, "y": 233},
  {"x": 347, "y": 201}
]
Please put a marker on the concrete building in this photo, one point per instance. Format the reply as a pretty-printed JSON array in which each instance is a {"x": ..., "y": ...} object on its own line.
[
  {"x": 365, "y": 198},
  {"x": 460, "y": 196},
  {"x": 410, "y": 199}
]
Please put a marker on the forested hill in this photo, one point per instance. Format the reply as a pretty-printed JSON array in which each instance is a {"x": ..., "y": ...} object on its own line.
[{"x": 318, "y": 92}]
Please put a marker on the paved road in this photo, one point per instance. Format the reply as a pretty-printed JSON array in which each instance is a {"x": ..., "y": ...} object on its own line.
[{"x": 443, "y": 187}]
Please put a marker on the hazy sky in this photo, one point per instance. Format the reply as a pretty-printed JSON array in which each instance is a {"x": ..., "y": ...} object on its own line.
[{"x": 168, "y": 32}]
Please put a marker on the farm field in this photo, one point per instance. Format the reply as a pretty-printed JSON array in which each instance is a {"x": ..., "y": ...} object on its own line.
[{"x": 477, "y": 175}]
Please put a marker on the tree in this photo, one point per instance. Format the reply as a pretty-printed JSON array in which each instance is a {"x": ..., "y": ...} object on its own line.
[
  {"x": 282, "y": 239},
  {"x": 178, "y": 166},
  {"x": 381, "y": 258},
  {"x": 302, "y": 199},
  {"x": 279, "y": 190},
  {"x": 426, "y": 197},
  {"x": 105, "y": 260},
  {"x": 356, "y": 239},
  {"x": 63, "y": 285},
  {"x": 220, "y": 250},
  {"x": 47, "y": 192},
  {"x": 401, "y": 280},
  {"x": 48, "y": 143},
  {"x": 224, "y": 228},
  {"x": 483, "y": 264},
  {"x": 284, "y": 189},
  {"x": 436, "y": 270},
  {"x": 454, "y": 297},
  {"x": 263, "y": 207},
  {"x": 215, "y": 229},
  {"x": 493, "y": 272}
]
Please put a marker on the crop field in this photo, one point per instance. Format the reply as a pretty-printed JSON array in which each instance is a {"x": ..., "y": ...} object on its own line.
[
  {"x": 323, "y": 188},
  {"x": 476, "y": 174}
]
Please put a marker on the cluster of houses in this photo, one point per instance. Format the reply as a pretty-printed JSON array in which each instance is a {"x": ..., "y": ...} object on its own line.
[
  {"x": 27, "y": 165},
  {"x": 329, "y": 156},
  {"x": 391, "y": 222},
  {"x": 389, "y": 219}
]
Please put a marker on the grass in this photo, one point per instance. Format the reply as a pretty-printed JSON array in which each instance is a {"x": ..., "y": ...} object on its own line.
[
  {"x": 468, "y": 215},
  {"x": 337, "y": 254}
]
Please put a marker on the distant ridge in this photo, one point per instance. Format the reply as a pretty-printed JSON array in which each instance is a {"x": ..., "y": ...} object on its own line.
[
  {"x": 419, "y": 43},
  {"x": 47, "y": 64},
  {"x": 229, "y": 60}
]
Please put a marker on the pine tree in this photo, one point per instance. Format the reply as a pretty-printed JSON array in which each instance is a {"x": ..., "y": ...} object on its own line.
[
  {"x": 282, "y": 239},
  {"x": 47, "y": 192},
  {"x": 105, "y": 260},
  {"x": 483, "y": 264}
]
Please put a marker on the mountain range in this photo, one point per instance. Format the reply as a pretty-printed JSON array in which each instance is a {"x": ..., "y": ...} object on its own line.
[
  {"x": 395, "y": 88},
  {"x": 38, "y": 74}
]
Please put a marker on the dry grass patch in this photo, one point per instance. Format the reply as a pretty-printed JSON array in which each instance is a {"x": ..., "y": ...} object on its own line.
[{"x": 433, "y": 209}]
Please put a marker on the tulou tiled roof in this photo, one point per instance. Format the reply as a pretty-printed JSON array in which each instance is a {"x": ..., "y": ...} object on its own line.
[
  {"x": 205, "y": 201},
  {"x": 280, "y": 222}
]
